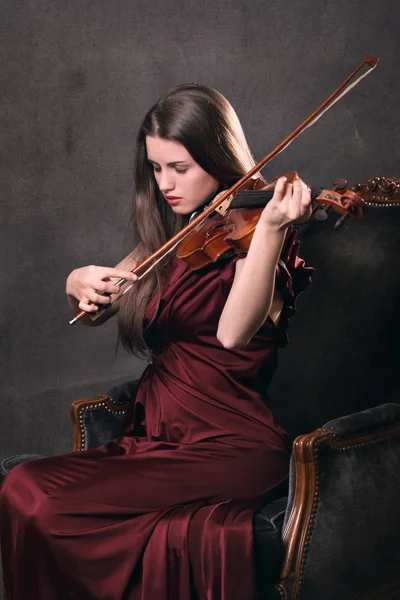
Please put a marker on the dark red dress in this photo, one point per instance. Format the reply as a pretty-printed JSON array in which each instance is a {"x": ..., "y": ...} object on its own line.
[{"x": 165, "y": 511}]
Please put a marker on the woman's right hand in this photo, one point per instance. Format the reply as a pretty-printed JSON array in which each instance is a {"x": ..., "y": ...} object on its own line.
[{"x": 89, "y": 284}]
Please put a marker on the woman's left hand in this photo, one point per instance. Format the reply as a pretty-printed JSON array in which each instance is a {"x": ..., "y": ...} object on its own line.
[{"x": 291, "y": 203}]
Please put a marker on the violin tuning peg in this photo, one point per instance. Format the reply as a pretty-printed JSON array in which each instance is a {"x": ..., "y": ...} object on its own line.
[
  {"x": 340, "y": 221},
  {"x": 321, "y": 214},
  {"x": 339, "y": 184}
]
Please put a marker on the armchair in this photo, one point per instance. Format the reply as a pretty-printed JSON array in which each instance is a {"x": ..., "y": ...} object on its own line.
[{"x": 336, "y": 534}]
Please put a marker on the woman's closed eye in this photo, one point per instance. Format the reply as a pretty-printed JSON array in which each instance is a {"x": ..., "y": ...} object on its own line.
[{"x": 180, "y": 171}]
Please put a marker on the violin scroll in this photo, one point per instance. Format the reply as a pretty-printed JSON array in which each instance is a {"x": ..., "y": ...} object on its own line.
[
  {"x": 347, "y": 202},
  {"x": 378, "y": 191}
]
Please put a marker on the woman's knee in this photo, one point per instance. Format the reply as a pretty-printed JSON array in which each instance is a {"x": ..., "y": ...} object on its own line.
[
  {"x": 21, "y": 495},
  {"x": 12, "y": 480}
]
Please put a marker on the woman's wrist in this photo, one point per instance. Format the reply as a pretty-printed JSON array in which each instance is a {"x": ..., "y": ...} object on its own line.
[
  {"x": 271, "y": 230},
  {"x": 68, "y": 284}
]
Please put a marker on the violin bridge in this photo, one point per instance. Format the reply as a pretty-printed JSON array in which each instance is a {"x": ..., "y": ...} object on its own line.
[{"x": 224, "y": 206}]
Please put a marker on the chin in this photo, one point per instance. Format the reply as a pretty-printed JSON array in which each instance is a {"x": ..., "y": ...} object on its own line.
[{"x": 181, "y": 210}]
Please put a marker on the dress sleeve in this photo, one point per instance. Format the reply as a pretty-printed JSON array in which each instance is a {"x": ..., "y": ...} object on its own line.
[{"x": 293, "y": 276}]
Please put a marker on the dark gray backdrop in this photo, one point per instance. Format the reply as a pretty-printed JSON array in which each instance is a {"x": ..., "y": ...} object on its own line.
[{"x": 77, "y": 78}]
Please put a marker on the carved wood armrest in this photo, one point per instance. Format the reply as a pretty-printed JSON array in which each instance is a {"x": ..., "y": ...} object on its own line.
[
  {"x": 78, "y": 409},
  {"x": 299, "y": 526}
]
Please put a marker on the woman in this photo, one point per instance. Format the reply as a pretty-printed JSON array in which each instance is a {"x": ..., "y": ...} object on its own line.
[{"x": 165, "y": 511}]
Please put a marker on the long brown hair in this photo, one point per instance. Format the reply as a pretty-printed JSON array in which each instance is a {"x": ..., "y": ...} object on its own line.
[{"x": 204, "y": 122}]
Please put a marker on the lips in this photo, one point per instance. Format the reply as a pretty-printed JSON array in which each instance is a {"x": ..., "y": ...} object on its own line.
[{"x": 173, "y": 199}]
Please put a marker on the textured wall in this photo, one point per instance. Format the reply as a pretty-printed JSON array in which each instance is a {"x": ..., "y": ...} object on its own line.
[{"x": 78, "y": 76}]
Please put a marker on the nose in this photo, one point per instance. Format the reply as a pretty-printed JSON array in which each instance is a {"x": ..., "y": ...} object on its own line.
[{"x": 166, "y": 181}]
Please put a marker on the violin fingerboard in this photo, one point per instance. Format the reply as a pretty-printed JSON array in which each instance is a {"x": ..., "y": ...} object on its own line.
[{"x": 259, "y": 198}]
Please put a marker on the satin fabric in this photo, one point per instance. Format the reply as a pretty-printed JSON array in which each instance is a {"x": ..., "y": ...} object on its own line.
[{"x": 165, "y": 511}]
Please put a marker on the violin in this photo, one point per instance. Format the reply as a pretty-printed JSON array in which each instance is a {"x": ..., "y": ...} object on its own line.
[
  {"x": 238, "y": 209},
  {"x": 232, "y": 229}
]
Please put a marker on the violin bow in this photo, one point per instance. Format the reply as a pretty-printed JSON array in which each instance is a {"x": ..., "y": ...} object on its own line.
[
  {"x": 334, "y": 97},
  {"x": 223, "y": 200}
]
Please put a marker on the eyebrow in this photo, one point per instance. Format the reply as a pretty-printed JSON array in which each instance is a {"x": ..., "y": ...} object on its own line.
[{"x": 170, "y": 164}]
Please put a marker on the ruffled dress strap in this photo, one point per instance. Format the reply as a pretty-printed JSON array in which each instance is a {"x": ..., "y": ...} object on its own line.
[{"x": 292, "y": 278}]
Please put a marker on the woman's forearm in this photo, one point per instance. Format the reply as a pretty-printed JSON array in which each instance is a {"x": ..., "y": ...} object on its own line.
[{"x": 250, "y": 298}]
